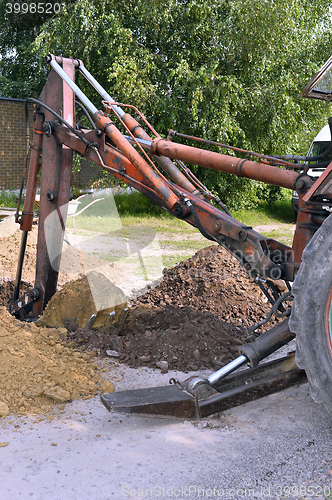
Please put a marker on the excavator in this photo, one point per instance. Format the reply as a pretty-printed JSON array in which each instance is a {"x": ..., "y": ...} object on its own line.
[{"x": 157, "y": 167}]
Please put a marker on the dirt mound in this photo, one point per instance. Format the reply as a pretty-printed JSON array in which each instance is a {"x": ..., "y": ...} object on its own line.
[
  {"x": 212, "y": 280},
  {"x": 9, "y": 252},
  {"x": 175, "y": 338},
  {"x": 195, "y": 318},
  {"x": 38, "y": 369}
]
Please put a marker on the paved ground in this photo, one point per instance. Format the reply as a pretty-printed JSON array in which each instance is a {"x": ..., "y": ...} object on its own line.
[{"x": 277, "y": 447}]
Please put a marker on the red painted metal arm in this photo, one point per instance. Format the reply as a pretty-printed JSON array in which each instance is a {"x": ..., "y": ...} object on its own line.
[
  {"x": 31, "y": 188},
  {"x": 224, "y": 163},
  {"x": 260, "y": 254}
]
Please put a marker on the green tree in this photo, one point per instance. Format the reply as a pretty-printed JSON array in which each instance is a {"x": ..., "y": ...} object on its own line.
[
  {"x": 228, "y": 70},
  {"x": 21, "y": 70}
]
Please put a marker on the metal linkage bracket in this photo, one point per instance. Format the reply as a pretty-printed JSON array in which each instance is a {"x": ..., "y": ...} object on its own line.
[{"x": 175, "y": 401}]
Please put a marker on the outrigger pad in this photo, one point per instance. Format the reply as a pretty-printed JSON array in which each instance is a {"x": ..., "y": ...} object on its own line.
[
  {"x": 168, "y": 401},
  {"x": 236, "y": 389}
]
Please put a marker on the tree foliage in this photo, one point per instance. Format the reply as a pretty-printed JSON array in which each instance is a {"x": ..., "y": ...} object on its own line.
[{"x": 228, "y": 70}]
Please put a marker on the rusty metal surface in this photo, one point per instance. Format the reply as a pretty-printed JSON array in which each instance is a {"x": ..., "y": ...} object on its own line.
[
  {"x": 224, "y": 163},
  {"x": 237, "y": 389},
  {"x": 266, "y": 256},
  {"x": 310, "y": 215},
  {"x": 31, "y": 187},
  {"x": 254, "y": 383},
  {"x": 167, "y": 165},
  {"x": 108, "y": 127},
  {"x": 322, "y": 186},
  {"x": 232, "y": 231},
  {"x": 54, "y": 188},
  {"x": 108, "y": 158},
  {"x": 66, "y": 60},
  {"x": 268, "y": 160}
]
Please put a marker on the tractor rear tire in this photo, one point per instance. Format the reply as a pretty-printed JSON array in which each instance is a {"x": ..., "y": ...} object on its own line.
[{"x": 311, "y": 317}]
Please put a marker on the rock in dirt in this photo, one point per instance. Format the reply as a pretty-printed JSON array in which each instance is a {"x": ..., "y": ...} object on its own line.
[
  {"x": 112, "y": 354},
  {"x": 4, "y": 409},
  {"x": 163, "y": 365},
  {"x": 57, "y": 394}
]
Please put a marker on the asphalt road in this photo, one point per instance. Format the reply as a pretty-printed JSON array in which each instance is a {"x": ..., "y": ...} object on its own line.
[{"x": 275, "y": 447}]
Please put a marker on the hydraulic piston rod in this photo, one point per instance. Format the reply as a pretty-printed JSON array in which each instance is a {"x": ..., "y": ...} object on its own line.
[
  {"x": 108, "y": 127},
  {"x": 227, "y": 369},
  {"x": 140, "y": 134},
  {"x": 251, "y": 354}
]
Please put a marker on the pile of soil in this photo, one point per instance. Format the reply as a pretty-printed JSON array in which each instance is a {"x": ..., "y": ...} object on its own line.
[
  {"x": 196, "y": 317},
  {"x": 38, "y": 368},
  {"x": 168, "y": 338},
  {"x": 9, "y": 252},
  {"x": 212, "y": 280}
]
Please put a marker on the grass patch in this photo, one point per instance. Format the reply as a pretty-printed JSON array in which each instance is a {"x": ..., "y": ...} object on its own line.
[
  {"x": 172, "y": 260},
  {"x": 135, "y": 217},
  {"x": 284, "y": 235},
  {"x": 280, "y": 212},
  {"x": 136, "y": 208},
  {"x": 137, "y": 204},
  {"x": 8, "y": 198}
]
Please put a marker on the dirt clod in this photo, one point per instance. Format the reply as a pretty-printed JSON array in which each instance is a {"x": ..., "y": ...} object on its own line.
[
  {"x": 57, "y": 394},
  {"x": 4, "y": 409}
]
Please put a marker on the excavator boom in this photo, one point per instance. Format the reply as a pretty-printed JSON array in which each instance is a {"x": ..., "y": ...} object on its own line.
[{"x": 144, "y": 162}]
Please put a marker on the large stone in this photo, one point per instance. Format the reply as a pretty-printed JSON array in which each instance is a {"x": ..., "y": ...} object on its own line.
[
  {"x": 57, "y": 394},
  {"x": 163, "y": 365},
  {"x": 4, "y": 409}
]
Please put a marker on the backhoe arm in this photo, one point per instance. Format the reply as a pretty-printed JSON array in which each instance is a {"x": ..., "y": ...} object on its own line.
[{"x": 125, "y": 157}]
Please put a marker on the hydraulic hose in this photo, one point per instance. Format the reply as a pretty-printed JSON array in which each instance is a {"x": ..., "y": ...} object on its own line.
[
  {"x": 72, "y": 129},
  {"x": 198, "y": 222}
]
